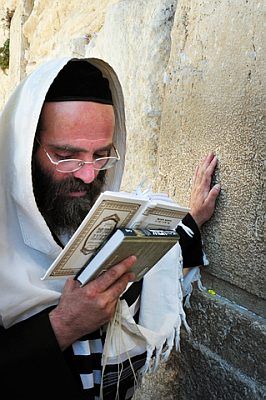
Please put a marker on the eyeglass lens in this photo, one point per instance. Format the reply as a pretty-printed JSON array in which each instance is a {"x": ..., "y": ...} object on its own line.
[{"x": 74, "y": 165}]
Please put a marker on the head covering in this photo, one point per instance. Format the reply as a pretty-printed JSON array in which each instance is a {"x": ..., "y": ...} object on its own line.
[
  {"x": 80, "y": 81},
  {"x": 26, "y": 243}
]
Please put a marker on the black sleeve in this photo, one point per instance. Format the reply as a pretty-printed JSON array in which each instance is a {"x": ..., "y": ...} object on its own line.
[
  {"x": 191, "y": 246},
  {"x": 32, "y": 366}
]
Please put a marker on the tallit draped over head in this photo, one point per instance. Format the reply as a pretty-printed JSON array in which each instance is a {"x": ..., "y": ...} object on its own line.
[{"x": 27, "y": 247}]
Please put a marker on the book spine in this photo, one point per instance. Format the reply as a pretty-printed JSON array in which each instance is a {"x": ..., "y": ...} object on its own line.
[{"x": 159, "y": 232}]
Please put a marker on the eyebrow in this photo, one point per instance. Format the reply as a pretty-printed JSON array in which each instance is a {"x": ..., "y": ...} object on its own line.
[{"x": 74, "y": 149}]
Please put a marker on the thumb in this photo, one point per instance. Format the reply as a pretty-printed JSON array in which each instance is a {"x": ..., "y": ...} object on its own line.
[{"x": 71, "y": 284}]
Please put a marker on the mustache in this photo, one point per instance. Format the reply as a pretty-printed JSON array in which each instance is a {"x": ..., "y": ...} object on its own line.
[
  {"x": 59, "y": 191},
  {"x": 64, "y": 213},
  {"x": 71, "y": 184}
]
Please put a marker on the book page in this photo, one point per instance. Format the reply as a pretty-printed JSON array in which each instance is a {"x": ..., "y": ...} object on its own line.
[{"x": 161, "y": 215}]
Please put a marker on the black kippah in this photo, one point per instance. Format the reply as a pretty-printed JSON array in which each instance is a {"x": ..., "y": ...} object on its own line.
[{"x": 80, "y": 81}]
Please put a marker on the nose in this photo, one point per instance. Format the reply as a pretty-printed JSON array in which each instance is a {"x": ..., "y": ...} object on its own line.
[{"x": 87, "y": 173}]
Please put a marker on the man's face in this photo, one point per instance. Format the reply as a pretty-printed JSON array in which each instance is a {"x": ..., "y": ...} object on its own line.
[{"x": 82, "y": 130}]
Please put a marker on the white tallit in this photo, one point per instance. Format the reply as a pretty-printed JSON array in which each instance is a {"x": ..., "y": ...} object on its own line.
[{"x": 27, "y": 247}]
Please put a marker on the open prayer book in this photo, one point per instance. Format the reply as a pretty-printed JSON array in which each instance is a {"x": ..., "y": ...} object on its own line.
[{"x": 111, "y": 211}]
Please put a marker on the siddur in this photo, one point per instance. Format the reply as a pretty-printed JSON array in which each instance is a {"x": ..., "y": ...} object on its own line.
[{"x": 113, "y": 210}]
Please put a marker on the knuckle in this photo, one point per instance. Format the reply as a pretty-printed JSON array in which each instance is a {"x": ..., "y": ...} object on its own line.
[
  {"x": 113, "y": 273},
  {"x": 91, "y": 293},
  {"x": 102, "y": 303}
]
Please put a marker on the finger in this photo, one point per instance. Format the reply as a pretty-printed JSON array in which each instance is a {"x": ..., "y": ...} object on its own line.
[
  {"x": 213, "y": 194},
  {"x": 71, "y": 284},
  {"x": 108, "y": 278},
  {"x": 212, "y": 165},
  {"x": 209, "y": 158},
  {"x": 208, "y": 172},
  {"x": 195, "y": 175},
  {"x": 207, "y": 161},
  {"x": 216, "y": 190},
  {"x": 203, "y": 173},
  {"x": 115, "y": 290},
  {"x": 204, "y": 165}
]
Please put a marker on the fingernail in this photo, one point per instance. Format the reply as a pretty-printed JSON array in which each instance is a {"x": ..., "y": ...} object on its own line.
[{"x": 132, "y": 277}]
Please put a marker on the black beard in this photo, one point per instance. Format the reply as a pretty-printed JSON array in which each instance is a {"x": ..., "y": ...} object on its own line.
[{"x": 62, "y": 213}]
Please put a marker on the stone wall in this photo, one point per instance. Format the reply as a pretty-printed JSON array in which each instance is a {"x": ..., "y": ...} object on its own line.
[{"x": 192, "y": 74}]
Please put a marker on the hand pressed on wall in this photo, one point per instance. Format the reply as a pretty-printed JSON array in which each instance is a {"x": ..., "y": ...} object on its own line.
[{"x": 203, "y": 197}]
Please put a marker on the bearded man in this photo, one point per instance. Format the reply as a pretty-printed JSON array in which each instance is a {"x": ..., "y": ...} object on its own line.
[{"x": 62, "y": 144}]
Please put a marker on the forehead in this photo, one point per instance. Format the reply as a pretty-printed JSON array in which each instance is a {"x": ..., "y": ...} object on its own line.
[{"x": 77, "y": 121}]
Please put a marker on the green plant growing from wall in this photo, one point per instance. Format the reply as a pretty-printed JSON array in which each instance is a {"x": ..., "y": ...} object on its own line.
[
  {"x": 4, "y": 56},
  {"x": 7, "y": 18},
  {"x": 4, "y": 50}
]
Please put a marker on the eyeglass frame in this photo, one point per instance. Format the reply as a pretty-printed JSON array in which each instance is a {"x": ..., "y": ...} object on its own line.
[{"x": 56, "y": 163}]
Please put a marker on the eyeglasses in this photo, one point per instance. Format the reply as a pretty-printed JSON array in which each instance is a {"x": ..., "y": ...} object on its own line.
[{"x": 73, "y": 164}]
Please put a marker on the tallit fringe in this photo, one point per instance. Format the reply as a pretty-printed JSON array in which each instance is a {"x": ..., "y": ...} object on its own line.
[
  {"x": 187, "y": 286},
  {"x": 161, "y": 351},
  {"x": 117, "y": 319},
  {"x": 109, "y": 337},
  {"x": 156, "y": 356}
]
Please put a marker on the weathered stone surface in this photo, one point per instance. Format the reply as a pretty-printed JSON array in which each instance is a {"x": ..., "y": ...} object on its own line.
[
  {"x": 6, "y": 6},
  {"x": 236, "y": 294},
  {"x": 135, "y": 40},
  {"x": 53, "y": 25},
  {"x": 231, "y": 332},
  {"x": 164, "y": 384},
  {"x": 223, "y": 359},
  {"x": 214, "y": 100},
  {"x": 208, "y": 377}
]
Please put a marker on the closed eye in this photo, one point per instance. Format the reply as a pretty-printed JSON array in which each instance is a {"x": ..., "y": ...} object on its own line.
[
  {"x": 76, "y": 153},
  {"x": 64, "y": 156},
  {"x": 76, "y": 156},
  {"x": 101, "y": 155}
]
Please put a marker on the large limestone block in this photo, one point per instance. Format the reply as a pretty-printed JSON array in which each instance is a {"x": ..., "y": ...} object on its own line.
[
  {"x": 135, "y": 40},
  {"x": 54, "y": 28},
  {"x": 215, "y": 100}
]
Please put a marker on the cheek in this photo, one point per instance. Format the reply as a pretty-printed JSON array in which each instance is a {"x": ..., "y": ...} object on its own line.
[
  {"x": 58, "y": 176},
  {"x": 49, "y": 168},
  {"x": 43, "y": 161}
]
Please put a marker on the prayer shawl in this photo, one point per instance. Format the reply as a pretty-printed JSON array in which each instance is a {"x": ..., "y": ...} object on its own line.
[{"x": 27, "y": 247}]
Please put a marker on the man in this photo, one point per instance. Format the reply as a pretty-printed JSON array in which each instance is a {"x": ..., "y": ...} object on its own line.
[{"x": 62, "y": 143}]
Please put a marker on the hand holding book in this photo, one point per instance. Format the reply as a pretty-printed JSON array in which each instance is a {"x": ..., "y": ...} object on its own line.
[
  {"x": 87, "y": 308},
  {"x": 148, "y": 245},
  {"x": 111, "y": 211}
]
